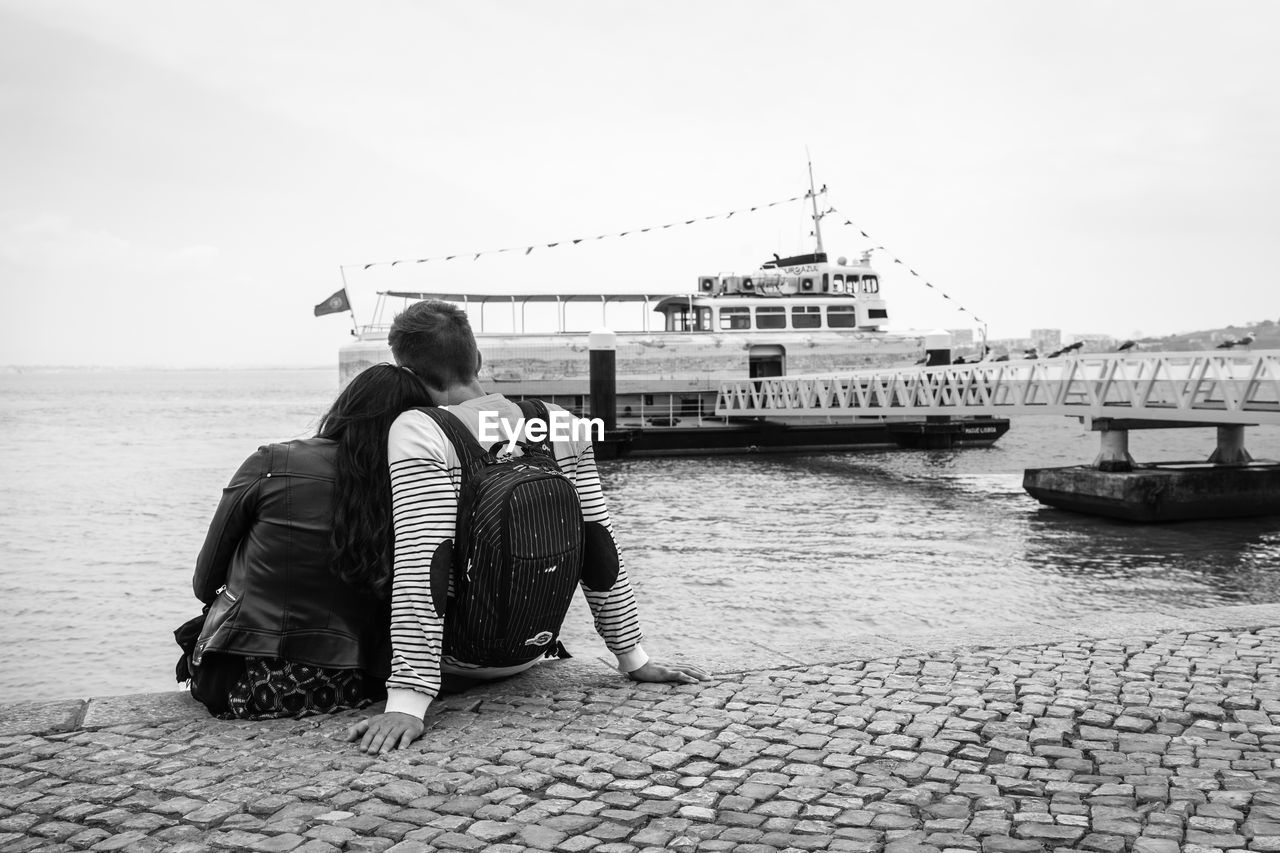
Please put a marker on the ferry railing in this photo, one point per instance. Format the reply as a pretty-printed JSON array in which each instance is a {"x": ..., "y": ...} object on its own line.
[{"x": 1213, "y": 387}]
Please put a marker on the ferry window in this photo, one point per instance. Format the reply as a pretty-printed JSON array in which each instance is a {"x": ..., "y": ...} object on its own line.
[
  {"x": 837, "y": 284},
  {"x": 704, "y": 319},
  {"x": 681, "y": 320},
  {"x": 842, "y": 316},
  {"x": 870, "y": 284},
  {"x": 771, "y": 317},
  {"x": 806, "y": 317},
  {"x": 735, "y": 318}
]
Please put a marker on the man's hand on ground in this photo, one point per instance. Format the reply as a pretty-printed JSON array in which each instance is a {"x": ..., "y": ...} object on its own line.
[
  {"x": 386, "y": 732},
  {"x": 680, "y": 672}
]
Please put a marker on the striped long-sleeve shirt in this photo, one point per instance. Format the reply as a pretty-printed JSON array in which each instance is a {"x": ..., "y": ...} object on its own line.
[{"x": 426, "y": 477}]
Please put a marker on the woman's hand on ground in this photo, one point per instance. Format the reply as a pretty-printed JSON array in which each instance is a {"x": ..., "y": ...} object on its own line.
[
  {"x": 681, "y": 673},
  {"x": 385, "y": 732}
]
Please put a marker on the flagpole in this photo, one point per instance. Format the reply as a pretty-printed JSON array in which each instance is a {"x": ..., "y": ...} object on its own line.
[{"x": 352, "y": 311}]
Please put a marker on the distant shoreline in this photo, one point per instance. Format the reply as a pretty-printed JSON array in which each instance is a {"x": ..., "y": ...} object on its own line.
[{"x": 83, "y": 368}]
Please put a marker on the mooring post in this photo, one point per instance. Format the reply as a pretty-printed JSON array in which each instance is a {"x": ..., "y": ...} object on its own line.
[
  {"x": 937, "y": 348},
  {"x": 937, "y": 352},
  {"x": 603, "y": 344},
  {"x": 1230, "y": 449},
  {"x": 1115, "y": 451}
]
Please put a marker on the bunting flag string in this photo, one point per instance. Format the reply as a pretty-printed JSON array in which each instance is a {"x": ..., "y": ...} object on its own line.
[
  {"x": 927, "y": 284},
  {"x": 475, "y": 256}
]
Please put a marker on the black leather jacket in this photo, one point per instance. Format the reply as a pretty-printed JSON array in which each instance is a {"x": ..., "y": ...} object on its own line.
[{"x": 265, "y": 566}]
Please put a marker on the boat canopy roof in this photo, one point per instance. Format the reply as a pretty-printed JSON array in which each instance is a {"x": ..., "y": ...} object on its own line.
[{"x": 485, "y": 298}]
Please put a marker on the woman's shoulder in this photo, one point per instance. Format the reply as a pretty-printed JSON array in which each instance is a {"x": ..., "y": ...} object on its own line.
[{"x": 300, "y": 455}]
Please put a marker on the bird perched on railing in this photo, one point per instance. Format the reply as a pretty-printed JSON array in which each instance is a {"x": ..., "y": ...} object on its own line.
[
  {"x": 1030, "y": 353},
  {"x": 1068, "y": 348},
  {"x": 1246, "y": 340},
  {"x": 1126, "y": 346}
]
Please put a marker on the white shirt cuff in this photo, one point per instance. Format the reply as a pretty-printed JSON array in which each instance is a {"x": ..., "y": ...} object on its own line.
[
  {"x": 403, "y": 701},
  {"x": 627, "y": 661}
]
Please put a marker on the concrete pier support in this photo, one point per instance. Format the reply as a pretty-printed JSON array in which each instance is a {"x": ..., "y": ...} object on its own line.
[
  {"x": 1114, "y": 455},
  {"x": 1230, "y": 450}
]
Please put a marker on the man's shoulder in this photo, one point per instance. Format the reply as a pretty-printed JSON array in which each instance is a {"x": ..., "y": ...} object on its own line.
[
  {"x": 415, "y": 434},
  {"x": 567, "y": 429},
  {"x": 413, "y": 419}
]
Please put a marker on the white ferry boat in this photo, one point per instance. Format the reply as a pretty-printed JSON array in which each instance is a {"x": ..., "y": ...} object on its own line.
[
  {"x": 793, "y": 316},
  {"x": 797, "y": 315}
]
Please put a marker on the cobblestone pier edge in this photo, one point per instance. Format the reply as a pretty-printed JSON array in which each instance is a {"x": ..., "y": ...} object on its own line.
[{"x": 1121, "y": 732}]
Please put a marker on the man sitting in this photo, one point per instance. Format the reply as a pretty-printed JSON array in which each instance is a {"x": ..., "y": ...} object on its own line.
[{"x": 435, "y": 341}]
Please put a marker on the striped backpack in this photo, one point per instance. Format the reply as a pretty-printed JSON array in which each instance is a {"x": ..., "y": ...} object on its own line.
[{"x": 517, "y": 553}]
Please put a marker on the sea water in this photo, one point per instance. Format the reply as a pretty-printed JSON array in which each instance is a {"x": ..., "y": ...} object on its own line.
[{"x": 111, "y": 478}]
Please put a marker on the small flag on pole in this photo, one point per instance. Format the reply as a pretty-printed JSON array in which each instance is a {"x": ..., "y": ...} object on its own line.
[{"x": 335, "y": 303}]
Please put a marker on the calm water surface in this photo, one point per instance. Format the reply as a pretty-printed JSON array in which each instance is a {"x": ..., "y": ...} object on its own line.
[{"x": 110, "y": 479}]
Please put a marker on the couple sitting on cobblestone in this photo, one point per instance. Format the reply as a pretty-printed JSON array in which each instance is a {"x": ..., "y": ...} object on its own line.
[{"x": 328, "y": 572}]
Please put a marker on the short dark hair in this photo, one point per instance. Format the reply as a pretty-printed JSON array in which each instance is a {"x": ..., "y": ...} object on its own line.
[{"x": 434, "y": 340}]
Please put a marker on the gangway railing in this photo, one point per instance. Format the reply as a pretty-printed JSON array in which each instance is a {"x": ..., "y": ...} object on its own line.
[{"x": 1215, "y": 387}]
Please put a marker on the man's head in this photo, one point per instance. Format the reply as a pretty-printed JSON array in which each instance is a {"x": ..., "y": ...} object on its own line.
[{"x": 434, "y": 340}]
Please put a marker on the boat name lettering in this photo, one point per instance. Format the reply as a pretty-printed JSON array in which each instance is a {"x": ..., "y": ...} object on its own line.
[
  {"x": 802, "y": 268},
  {"x": 559, "y": 426}
]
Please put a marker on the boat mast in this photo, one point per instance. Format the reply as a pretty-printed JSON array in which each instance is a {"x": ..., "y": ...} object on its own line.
[{"x": 817, "y": 217}]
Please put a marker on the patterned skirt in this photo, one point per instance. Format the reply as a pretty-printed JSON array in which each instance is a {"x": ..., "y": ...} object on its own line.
[{"x": 271, "y": 688}]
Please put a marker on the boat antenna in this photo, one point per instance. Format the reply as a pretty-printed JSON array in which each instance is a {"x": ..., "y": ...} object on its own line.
[{"x": 813, "y": 196}]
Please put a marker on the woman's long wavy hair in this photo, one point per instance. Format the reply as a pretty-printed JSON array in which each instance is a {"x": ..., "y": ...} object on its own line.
[{"x": 363, "y": 535}]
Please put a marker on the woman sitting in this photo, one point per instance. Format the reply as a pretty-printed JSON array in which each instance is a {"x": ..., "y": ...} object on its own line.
[{"x": 296, "y": 569}]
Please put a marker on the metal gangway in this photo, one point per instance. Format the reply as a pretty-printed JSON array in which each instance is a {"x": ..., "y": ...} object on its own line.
[{"x": 1112, "y": 392}]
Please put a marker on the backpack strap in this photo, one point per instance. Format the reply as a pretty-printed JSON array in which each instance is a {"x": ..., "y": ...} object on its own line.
[
  {"x": 464, "y": 443},
  {"x": 471, "y": 454},
  {"x": 537, "y": 410},
  {"x": 451, "y": 556}
]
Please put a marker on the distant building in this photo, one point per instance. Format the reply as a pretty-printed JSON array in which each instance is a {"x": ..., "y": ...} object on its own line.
[
  {"x": 1047, "y": 340},
  {"x": 1096, "y": 342},
  {"x": 961, "y": 337},
  {"x": 1010, "y": 346}
]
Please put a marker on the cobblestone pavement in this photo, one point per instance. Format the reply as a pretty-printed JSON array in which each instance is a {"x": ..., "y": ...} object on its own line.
[{"x": 1164, "y": 743}]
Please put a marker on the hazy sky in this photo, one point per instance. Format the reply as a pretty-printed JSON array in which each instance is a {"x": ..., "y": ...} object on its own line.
[{"x": 180, "y": 182}]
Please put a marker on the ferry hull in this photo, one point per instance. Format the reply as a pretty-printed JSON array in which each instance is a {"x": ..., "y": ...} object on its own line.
[
  {"x": 666, "y": 386},
  {"x": 766, "y": 436}
]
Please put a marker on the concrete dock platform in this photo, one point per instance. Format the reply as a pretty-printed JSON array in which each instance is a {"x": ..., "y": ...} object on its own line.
[
  {"x": 1147, "y": 733},
  {"x": 1160, "y": 491}
]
